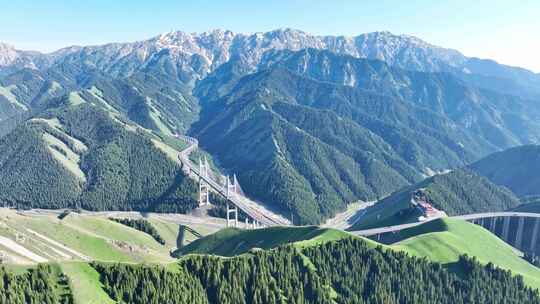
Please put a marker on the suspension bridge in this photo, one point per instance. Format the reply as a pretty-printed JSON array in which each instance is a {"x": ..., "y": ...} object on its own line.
[{"x": 228, "y": 187}]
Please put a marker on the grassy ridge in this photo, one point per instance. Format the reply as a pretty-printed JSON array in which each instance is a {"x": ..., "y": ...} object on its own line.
[
  {"x": 231, "y": 241},
  {"x": 444, "y": 240},
  {"x": 440, "y": 241}
]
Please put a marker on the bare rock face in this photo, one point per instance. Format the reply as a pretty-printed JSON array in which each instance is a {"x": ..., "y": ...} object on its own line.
[
  {"x": 192, "y": 56},
  {"x": 8, "y": 54},
  {"x": 197, "y": 54},
  {"x": 17, "y": 59}
]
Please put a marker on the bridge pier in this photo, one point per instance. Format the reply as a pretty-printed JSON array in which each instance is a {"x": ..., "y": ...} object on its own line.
[
  {"x": 204, "y": 194},
  {"x": 493, "y": 224},
  {"x": 204, "y": 187},
  {"x": 231, "y": 187},
  {"x": 534, "y": 239},
  {"x": 519, "y": 234},
  {"x": 506, "y": 228},
  {"x": 229, "y": 219}
]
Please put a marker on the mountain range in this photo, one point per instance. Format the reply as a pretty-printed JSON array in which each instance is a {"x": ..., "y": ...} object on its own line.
[{"x": 309, "y": 123}]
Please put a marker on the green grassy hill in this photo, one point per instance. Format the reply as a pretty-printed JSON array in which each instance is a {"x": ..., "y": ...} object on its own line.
[
  {"x": 231, "y": 241},
  {"x": 69, "y": 244},
  {"x": 441, "y": 241},
  {"x": 444, "y": 240},
  {"x": 79, "y": 237}
]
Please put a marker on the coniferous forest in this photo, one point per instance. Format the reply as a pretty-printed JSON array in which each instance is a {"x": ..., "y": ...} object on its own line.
[
  {"x": 40, "y": 286},
  {"x": 346, "y": 271},
  {"x": 141, "y": 225}
]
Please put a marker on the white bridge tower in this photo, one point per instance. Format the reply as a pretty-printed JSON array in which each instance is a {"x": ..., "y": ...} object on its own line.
[
  {"x": 230, "y": 192},
  {"x": 204, "y": 187}
]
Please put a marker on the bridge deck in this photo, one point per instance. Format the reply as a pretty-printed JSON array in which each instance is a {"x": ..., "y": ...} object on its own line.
[{"x": 468, "y": 217}]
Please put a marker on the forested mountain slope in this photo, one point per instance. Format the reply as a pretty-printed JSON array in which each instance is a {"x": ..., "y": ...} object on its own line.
[
  {"x": 458, "y": 192},
  {"x": 393, "y": 126},
  {"x": 83, "y": 156},
  {"x": 345, "y": 271},
  {"x": 152, "y": 98},
  {"x": 517, "y": 168},
  {"x": 313, "y": 160},
  {"x": 502, "y": 120}
]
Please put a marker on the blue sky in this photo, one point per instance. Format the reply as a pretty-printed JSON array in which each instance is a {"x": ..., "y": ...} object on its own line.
[{"x": 507, "y": 31}]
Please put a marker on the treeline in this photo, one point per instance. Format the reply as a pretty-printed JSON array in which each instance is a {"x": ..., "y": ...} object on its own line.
[
  {"x": 39, "y": 285},
  {"x": 346, "y": 271},
  {"x": 149, "y": 284},
  {"x": 141, "y": 225}
]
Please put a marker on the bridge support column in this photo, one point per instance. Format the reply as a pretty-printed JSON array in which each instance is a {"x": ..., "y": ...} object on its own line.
[
  {"x": 232, "y": 220},
  {"x": 204, "y": 188},
  {"x": 231, "y": 187},
  {"x": 235, "y": 216},
  {"x": 204, "y": 193},
  {"x": 228, "y": 215},
  {"x": 534, "y": 235},
  {"x": 493, "y": 225},
  {"x": 519, "y": 234},
  {"x": 506, "y": 228}
]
